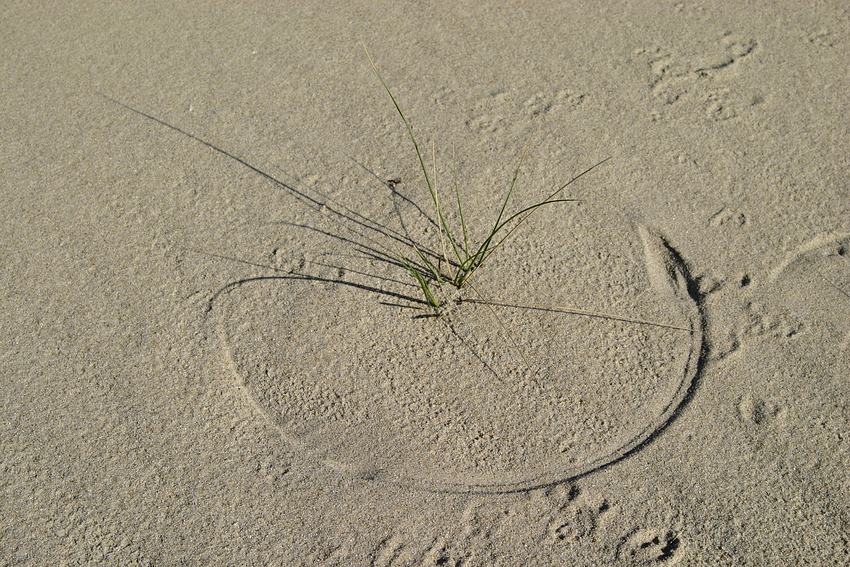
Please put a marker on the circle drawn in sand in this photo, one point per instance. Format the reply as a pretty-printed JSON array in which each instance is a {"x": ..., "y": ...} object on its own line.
[
  {"x": 485, "y": 397},
  {"x": 809, "y": 294}
]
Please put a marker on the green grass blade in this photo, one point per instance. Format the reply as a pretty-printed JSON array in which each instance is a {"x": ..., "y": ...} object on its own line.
[
  {"x": 460, "y": 207},
  {"x": 434, "y": 271},
  {"x": 508, "y": 196},
  {"x": 421, "y": 280},
  {"x": 471, "y": 262},
  {"x": 431, "y": 189},
  {"x": 486, "y": 244},
  {"x": 550, "y": 199},
  {"x": 528, "y": 210},
  {"x": 486, "y": 249},
  {"x": 437, "y": 205},
  {"x": 576, "y": 178}
]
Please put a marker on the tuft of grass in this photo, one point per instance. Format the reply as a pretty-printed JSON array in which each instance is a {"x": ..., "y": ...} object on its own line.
[{"x": 465, "y": 259}]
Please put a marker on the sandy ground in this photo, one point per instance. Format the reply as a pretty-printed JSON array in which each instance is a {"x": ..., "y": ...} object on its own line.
[{"x": 211, "y": 357}]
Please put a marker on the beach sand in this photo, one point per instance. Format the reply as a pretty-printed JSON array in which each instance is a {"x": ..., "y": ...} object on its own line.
[{"x": 211, "y": 354}]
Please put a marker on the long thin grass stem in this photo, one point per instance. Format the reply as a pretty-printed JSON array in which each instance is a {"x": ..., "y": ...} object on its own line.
[{"x": 574, "y": 311}]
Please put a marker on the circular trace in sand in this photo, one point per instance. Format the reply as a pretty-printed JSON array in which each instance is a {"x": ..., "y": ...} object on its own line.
[{"x": 499, "y": 397}]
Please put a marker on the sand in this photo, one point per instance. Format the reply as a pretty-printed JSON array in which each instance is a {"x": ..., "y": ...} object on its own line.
[{"x": 211, "y": 355}]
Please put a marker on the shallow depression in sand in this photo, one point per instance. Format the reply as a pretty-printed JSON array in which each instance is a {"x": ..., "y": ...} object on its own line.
[
  {"x": 810, "y": 292},
  {"x": 498, "y": 397},
  {"x": 801, "y": 315}
]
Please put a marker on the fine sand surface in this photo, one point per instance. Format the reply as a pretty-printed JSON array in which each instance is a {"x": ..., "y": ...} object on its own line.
[{"x": 212, "y": 356}]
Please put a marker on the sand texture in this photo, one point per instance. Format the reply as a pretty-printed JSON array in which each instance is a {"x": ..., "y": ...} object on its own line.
[{"x": 212, "y": 353}]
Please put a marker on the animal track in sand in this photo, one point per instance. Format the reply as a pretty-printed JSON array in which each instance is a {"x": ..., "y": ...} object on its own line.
[
  {"x": 758, "y": 412},
  {"x": 692, "y": 80},
  {"x": 650, "y": 546},
  {"x": 562, "y": 524},
  {"x": 492, "y": 111}
]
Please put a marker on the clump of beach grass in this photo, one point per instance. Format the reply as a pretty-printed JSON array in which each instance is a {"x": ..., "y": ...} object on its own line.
[{"x": 465, "y": 258}]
